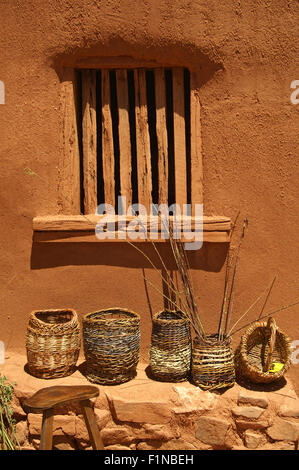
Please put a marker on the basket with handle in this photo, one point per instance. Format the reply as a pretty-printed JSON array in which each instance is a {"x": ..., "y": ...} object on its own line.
[
  {"x": 170, "y": 351},
  {"x": 264, "y": 354},
  {"x": 52, "y": 343}
]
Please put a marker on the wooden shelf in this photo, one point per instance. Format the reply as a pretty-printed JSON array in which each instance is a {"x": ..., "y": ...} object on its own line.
[{"x": 81, "y": 228}]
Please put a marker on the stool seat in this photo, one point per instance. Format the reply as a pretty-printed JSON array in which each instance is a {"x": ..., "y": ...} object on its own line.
[
  {"x": 45, "y": 401},
  {"x": 58, "y": 395}
]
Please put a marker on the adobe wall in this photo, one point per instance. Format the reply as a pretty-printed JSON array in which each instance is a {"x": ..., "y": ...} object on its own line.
[{"x": 246, "y": 54}]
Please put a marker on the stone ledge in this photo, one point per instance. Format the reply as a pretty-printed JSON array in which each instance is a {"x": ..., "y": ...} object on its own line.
[
  {"x": 283, "y": 430},
  {"x": 247, "y": 397},
  {"x": 212, "y": 430},
  {"x": 289, "y": 408},
  {"x": 144, "y": 414},
  {"x": 250, "y": 412},
  {"x": 139, "y": 411}
]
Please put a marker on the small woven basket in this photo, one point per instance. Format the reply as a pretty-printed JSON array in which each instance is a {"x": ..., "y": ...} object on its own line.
[
  {"x": 212, "y": 363},
  {"x": 111, "y": 340},
  {"x": 262, "y": 345},
  {"x": 52, "y": 343},
  {"x": 170, "y": 351}
]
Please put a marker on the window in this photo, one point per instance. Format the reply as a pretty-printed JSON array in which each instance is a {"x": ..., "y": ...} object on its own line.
[
  {"x": 135, "y": 136},
  {"x": 131, "y": 130}
]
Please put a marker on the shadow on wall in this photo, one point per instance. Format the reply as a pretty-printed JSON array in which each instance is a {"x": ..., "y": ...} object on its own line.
[
  {"x": 210, "y": 257},
  {"x": 103, "y": 55}
]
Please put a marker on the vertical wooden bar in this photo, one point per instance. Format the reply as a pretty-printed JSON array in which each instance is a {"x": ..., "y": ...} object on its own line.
[
  {"x": 124, "y": 135},
  {"x": 161, "y": 131},
  {"x": 180, "y": 163},
  {"x": 69, "y": 163},
  {"x": 196, "y": 148},
  {"x": 89, "y": 140},
  {"x": 144, "y": 172},
  {"x": 107, "y": 141}
]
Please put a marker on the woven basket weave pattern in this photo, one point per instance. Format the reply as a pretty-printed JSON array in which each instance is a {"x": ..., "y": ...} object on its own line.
[
  {"x": 52, "y": 343},
  {"x": 212, "y": 363},
  {"x": 170, "y": 352},
  {"x": 111, "y": 341},
  {"x": 253, "y": 351}
]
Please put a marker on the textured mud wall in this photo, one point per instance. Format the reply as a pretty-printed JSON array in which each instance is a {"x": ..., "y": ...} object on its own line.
[{"x": 246, "y": 54}]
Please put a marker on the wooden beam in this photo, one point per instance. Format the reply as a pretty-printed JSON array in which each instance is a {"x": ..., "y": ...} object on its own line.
[
  {"x": 79, "y": 228},
  {"x": 161, "y": 131},
  {"x": 124, "y": 136},
  {"x": 90, "y": 237},
  {"x": 121, "y": 62},
  {"x": 107, "y": 141},
  {"x": 144, "y": 173},
  {"x": 89, "y": 140},
  {"x": 88, "y": 222},
  {"x": 196, "y": 148},
  {"x": 69, "y": 162},
  {"x": 180, "y": 165}
]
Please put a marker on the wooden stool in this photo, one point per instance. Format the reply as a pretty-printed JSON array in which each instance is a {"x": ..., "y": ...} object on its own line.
[{"x": 45, "y": 400}]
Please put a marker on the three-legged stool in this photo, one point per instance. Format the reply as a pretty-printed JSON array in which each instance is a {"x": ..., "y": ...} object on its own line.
[{"x": 45, "y": 400}]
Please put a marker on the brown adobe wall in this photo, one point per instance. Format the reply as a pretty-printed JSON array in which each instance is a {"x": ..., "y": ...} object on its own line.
[{"x": 246, "y": 53}]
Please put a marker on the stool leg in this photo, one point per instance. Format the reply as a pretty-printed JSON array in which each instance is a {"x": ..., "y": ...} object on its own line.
[
  {"x": 91, "y": 425},
  {"x": 46, "y": 438}
]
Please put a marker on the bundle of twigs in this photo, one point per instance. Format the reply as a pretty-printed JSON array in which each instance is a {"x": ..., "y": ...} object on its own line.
[
  {"x": 183, "y": 267},
  {"x": 181, "y": 300},
  {"x": 185, "y": 300},
  {"x": 229, "y": 286}
]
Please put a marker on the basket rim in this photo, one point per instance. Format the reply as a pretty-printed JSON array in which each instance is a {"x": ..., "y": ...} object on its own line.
[
  {"x": 87, "y": 316},
  {"x": 244, "y": 356},
  {"x": 54, "y": 310},
  {"x": 208, "y": 340},
  {"x": 163, "y": 321},
  {"x": 260, "y": 324}
]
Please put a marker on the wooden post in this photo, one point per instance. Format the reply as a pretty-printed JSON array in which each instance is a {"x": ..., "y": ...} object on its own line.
[
  {"x": 196, "y": 149},
  {"x": 144, "y": 172},
  {"x": 69, "y": 164},
  {"x": 124, "y": 135},
  {"x": 161, "y": 131},
  {"x": 107, "y": 141},
  {"x": 180, "y": 163},
  {"x": 89, "y": 137}
]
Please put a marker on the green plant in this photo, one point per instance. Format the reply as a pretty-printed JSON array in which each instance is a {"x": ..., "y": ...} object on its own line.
[{"x": 8, "y": 439}]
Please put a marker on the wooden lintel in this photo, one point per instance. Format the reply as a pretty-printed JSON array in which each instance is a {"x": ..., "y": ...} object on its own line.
[
  {"x": 81, "y": 228},
  {"x": 90, "y": 237},
  {"x": 125, "y": 62}
]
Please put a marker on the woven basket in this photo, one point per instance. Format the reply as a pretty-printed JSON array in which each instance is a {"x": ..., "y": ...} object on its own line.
[
  {"x": 111, "y": 341},
  {"x": 262, "y": 345},
  {"x": 52, "y": 343},
  {"x": 170, "y": 352},
  {"x": 212, "y": 363}
]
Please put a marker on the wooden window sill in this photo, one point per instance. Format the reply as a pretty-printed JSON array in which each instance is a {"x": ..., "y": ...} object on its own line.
[{"x": 81, "y": 228}]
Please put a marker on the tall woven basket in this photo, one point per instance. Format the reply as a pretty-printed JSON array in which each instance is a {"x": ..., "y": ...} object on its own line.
[
  {"x": 263, "y": 345},
  {"x": 111, "y": 340},
  {"x": 52, "y": 343},
  {"x": 212, "y": 363},
  {"x": 170, "y": 352}
]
